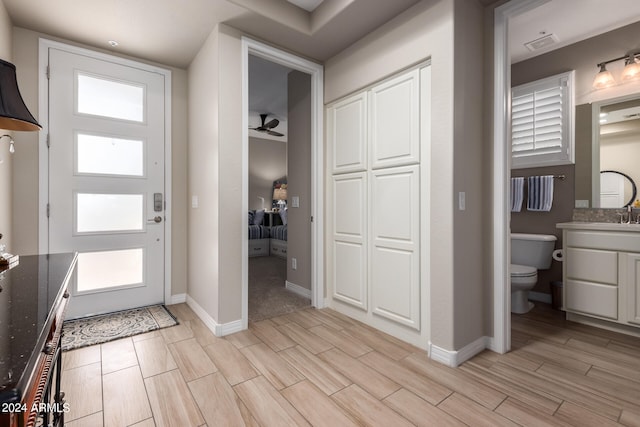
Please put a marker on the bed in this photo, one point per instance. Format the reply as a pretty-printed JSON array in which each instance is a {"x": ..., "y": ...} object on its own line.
[
  {"x": 278, "y": 241},
  {"x": 259, "y": 236}
]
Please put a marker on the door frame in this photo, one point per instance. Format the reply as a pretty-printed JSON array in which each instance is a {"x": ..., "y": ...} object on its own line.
[
  {"x": 502, "y": 170},
  {"x": 316, "y": 71},
  {"x": 43, "y": 167}
]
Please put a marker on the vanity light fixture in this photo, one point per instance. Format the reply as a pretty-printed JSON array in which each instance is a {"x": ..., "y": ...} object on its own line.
[
  {"x": 631, "y": 68},
  {"x": 631, "y": 71}
]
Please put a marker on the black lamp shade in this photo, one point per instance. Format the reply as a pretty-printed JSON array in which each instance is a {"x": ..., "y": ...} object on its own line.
[{"x": 14, "y": 114}]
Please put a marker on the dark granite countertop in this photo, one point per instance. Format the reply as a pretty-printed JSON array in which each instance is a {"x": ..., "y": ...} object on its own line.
[{"x": 28, "y": 294}]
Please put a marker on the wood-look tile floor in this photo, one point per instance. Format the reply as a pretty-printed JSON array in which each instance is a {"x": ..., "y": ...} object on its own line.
[{"x": 317, "y": 367}]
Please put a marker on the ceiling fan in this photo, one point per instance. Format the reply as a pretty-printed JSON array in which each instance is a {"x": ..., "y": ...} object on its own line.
[{"x": 266, "y": 127}]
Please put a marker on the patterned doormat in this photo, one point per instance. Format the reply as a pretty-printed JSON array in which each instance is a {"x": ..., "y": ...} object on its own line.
[{"x": 108, "y": 327}]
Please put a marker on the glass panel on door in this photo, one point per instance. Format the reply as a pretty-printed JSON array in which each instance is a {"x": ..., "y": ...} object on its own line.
[
  {"x": 108, "y": 155},
  {"x": 109, "y": 212},
  {"x": 110, "y": 269},
  {"x": 100, "y": 96}
]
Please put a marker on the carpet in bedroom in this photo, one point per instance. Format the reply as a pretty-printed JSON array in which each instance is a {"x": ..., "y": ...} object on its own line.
[{"x": 268, "y": 296}]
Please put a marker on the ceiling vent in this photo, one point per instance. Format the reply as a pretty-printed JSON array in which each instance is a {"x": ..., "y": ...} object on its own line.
[{"x": 542, "y": 42}]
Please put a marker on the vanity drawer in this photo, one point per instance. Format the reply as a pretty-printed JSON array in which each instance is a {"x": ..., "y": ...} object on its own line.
[
  {"x": 592, "y": 298},
  {"x": 592, "y": 265}
]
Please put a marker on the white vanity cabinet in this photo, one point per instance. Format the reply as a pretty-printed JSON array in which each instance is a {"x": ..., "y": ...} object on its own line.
[
  {"x": 632, "y": 279},
  {"x": 601, "y": 274}
]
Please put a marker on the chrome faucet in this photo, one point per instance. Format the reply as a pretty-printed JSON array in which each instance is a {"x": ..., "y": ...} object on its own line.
[{"x": 629, "y": 216}]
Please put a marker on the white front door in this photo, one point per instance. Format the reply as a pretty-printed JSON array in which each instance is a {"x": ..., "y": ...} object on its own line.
[{"x": 106, "y": 180}]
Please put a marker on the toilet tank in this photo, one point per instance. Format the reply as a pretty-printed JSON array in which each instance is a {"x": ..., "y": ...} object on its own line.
[{"x": 532, "y": 249}]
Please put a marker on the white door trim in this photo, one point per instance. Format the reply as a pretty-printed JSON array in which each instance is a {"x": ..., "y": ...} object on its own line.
[
  {"x": 43, "y": 114},
  {"x": 316, "y": 71},
  {"x": 502, "y": 171}
]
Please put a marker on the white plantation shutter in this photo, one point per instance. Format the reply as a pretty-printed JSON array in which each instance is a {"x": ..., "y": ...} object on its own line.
[{"x": 542, "y": 122}]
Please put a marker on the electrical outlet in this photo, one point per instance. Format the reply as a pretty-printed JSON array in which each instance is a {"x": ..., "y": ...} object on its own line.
[
  {"x": 294, "y": 263},
  {"x": 582, "y": 203},
  {"x": 194, "y": 202}
]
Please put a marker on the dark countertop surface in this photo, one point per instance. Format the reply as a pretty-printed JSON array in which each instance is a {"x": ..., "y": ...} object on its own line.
[{"x": 28, "y": 294}]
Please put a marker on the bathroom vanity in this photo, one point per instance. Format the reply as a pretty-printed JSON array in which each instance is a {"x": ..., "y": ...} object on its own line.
[{"x": 601, "y": 274}]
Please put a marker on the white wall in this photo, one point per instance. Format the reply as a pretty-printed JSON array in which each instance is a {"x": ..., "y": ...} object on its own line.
[
  {"x": 6, "y": 165},
  {"x": 622, "y": 154},
  {"x": 5, "y": 170}
]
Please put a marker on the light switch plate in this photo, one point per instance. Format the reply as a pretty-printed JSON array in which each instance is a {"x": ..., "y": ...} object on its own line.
[
  {"x": 295, "y": 201},
  {"x": 582, "y": 203},
  {"x": 462, "y": 200},
  {"x": 194, "y": 202}
]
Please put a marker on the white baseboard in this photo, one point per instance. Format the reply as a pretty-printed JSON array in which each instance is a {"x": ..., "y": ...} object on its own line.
[
  {"x": 218, "y": 329},
  {"x": 457, "y": 357},
  {"x": 298, "y": 289},
  {"x": 178, "y": 299},
  {"x": 540, "y": 296}
]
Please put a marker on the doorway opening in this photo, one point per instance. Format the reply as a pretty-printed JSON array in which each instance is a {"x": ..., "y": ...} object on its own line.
[{"x": 282, "y": 182}]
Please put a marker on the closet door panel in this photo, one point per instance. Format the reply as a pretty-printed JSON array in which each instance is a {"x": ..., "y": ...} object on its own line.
[
  {"x": 348, "y": 134},
  {"x": 395, "y": 244},
  {"x": 350, "y": 275},
  {"x": 349, "y": 239},
  {"x": 394, "y": 121}
]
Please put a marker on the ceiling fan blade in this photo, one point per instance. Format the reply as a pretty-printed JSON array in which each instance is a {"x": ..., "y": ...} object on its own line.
[
  {"x": 273, "y": 133},
  {"x": 272, "y": 123}
]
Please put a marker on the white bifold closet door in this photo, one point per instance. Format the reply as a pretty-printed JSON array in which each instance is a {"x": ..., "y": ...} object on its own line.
[{"x": 374, "y": 140}]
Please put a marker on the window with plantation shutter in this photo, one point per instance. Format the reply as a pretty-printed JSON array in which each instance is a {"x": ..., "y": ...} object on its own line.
[{"x": 542, "y": 122}]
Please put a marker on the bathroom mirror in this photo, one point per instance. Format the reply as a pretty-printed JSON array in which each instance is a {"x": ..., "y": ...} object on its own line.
[
  {"x": 608, "y": 139},
  {"x": 617, "y": 189}
]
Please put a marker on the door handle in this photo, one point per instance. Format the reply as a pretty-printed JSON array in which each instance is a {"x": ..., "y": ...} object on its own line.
[{"x": 155, "y": 219}]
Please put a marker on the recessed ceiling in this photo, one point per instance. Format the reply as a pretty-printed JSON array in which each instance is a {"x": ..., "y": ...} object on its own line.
[
  {"x": 308, "y": 5},
  {"x": 172, "y": 32},
  {"x": 569, "y": 21}
]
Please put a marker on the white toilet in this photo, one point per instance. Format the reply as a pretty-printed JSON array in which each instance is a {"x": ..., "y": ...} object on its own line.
[{"x": 529, "y": 253}]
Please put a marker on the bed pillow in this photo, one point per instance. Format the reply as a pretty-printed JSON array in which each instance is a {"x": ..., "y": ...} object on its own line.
[
  {"x": 251, "y": 217},
  {"x": 283, "y": 215},
  {"x": 258, "y": 217}
]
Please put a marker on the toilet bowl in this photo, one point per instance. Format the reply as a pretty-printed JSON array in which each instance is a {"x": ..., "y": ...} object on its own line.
[
  {"x": 529, "y": 253},
  {"x": 523, "y": 279}
]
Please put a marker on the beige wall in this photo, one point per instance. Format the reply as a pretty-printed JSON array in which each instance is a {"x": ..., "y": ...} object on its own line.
[
  {"x": 7, "y": 160},
  {"x": 203, "y": 179},
  {"x": 299, "y": 182},
  {"x": 581, "y": 57},
  {"x": 468, "y": 147},
  {"x": 267, "y": 163},
  {"x": 433, "y": 30},
  {"x": 215, "y": 176},
  {"x": 25, "y": 171}
]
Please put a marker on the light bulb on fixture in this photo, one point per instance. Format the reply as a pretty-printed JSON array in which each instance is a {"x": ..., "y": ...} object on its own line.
[
  {"x": 631, "y": 69},
  {"x": 604, "y": 78}
]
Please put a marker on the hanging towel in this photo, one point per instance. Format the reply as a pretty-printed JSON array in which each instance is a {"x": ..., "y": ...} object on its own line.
[
  {"x": 540, "y": 193},
  {"x": 517, "y": 193}
]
